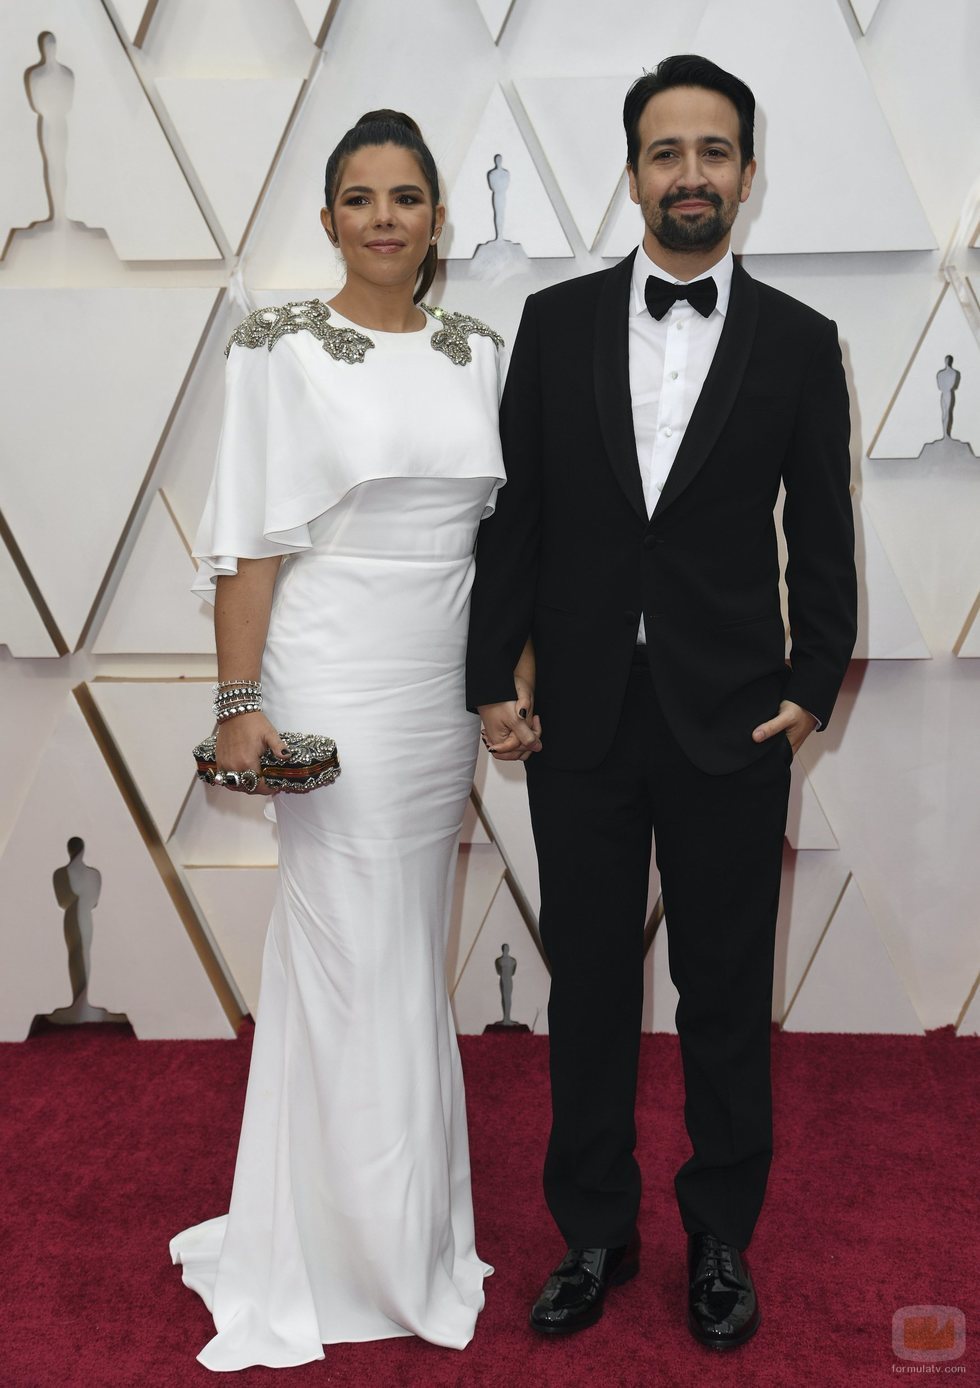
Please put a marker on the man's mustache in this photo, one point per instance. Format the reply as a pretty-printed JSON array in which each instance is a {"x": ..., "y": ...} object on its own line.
[{"x": 686, "y": 194}]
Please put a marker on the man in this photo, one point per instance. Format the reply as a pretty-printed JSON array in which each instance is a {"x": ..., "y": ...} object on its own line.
[{"x": 650, "y": 414}]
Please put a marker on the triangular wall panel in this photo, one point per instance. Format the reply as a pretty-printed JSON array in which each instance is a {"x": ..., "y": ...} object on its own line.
[
  {"x": 495, "y": 14},
  {"x": 851, "y": 984},
  {"x": 501, "y": 789},
  {"x": 479, "y": 873},
  {"x": 579, "y": 123},
  {"x": 914, "y": 417},
  {"x": 887, "y": 628},
  {"x": 155, "y": 723},
  {"x": 969, "y": 1024},
  {"x": 812, "y": 885},
  {"x": 135, "y": 17},
  {"x": 114, "y": 356},
  {"x": 34, "y": 706},
  {"x": 472, "y": 830},
  {"x": 621, "y": 36},
  {"x": 186, "y": 462},
  {"x": 525, "y": 209},
  {"x": 21, "y": 628},
  {"x": 317, "y": 15},
  {"x": 237, "y": 905},
  {"x": 220, "y": 828},
  {"x": 153, "y": 609},
  {"x": 968, "y": 645},
  {"x": 864, "y": 12},
  {"x": 230, "y": 128},
  {"x": 806, "y": 824},
  {"x": 624, "y": 224}
]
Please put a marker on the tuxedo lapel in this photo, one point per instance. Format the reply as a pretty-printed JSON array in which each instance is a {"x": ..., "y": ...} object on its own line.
[
  {"x": 612, "y": 381},
  {"x": 720, "y": 388}
]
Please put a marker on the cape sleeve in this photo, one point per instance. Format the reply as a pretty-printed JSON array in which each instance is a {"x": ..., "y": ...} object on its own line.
[{"x": 260, "y": 503}]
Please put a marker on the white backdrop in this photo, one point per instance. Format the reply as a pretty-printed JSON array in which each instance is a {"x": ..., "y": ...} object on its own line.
[{"x": 168, "y": 178}]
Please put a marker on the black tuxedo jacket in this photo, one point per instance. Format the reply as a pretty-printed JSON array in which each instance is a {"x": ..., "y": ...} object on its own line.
[{"x": 571, "y": 556}]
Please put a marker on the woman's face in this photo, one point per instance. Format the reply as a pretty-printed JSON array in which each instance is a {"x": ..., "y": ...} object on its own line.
[{"x": 382, "y": 218}]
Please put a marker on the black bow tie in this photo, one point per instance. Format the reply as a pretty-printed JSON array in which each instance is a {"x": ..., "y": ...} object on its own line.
[{"x": 661, "y": 295}]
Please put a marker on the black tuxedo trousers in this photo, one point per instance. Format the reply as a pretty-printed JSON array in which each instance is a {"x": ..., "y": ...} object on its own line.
[{"x": 719, "y": 852}]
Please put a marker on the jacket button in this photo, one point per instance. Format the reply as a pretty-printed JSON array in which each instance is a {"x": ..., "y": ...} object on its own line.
[
  {"x": 632, "y": 619},
  {"x": 651, "y": 541}
]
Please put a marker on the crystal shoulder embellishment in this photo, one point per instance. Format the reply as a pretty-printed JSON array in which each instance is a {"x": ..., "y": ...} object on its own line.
[
  {"x": 266, "y": 326},
  {"x": 457, "y": 328}
]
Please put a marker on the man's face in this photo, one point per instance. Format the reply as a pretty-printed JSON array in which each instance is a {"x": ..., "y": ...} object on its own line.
[{"x": 689, "y": 178}]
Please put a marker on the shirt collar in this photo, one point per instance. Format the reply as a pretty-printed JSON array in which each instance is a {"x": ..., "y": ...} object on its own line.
[{"x": 643, "y": 266}]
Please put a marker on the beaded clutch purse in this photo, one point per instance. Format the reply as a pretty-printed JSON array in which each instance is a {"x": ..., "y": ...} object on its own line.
[{"x": 312, "y": 762}]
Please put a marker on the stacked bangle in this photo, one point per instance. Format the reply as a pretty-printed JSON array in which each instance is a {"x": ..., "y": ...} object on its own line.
[{"x": 232, "y": 697}]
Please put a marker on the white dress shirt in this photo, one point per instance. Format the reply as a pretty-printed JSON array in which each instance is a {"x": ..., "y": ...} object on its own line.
[{"x": 669, "y": 361}]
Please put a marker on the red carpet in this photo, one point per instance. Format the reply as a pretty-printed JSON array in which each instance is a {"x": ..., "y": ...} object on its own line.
[{"x": 109, "y": 1145}]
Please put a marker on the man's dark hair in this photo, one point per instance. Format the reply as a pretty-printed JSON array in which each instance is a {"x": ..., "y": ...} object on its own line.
[{"x": 688, "y": 70}]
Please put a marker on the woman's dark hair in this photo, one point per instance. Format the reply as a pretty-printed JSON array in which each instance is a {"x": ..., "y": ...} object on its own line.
[
  {"x": 688, "y": 70},
  {"x": 389, "y": 128}
]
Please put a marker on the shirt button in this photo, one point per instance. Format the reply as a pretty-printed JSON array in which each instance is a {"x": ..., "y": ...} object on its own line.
[
  {"x": 668, "y": 432},
  {"x": 679, "y": 326},
  {"x": 673, "y": 375}
]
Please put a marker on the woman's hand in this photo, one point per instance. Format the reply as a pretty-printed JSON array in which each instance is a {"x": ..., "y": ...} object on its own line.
[
  {"x": 241, "y": 741},
  {"x": 512, "y": 731}
]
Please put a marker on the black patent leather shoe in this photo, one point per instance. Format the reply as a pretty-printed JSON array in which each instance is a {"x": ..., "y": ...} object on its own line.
[
  {"x": 573, "y": 1295},
  {"x": 723, "y": 1310}
]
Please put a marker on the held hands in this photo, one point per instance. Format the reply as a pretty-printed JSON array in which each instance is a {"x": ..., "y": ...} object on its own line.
[
  {"x": 512, "y": 730},
  {"x": 241, "y": 741},
  {"x": 792, "y": 720}
]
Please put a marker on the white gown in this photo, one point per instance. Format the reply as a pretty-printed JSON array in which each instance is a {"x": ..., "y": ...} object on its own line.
[{"x": 351, "y": 1216}]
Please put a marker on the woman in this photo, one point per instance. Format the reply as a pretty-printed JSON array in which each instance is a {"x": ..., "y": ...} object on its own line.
[{"x": 359, "y": 442}]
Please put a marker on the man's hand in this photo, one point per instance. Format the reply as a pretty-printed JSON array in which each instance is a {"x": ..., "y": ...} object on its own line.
[
  {"x": 512, "y": 730},
  {"x": 792, "y": 720}
]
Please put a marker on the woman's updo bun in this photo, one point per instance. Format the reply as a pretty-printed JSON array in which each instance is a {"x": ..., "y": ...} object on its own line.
[
  {"x": 387, "y": 127},
  {"x": 386, "y": 116}
]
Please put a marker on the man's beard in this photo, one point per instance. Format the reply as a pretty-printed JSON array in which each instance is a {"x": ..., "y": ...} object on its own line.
[{"x": 701, "y": 233}]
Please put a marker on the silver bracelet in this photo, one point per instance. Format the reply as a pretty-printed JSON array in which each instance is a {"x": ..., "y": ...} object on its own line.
[
  {"x": 234, "y": 684},
  {"x": 233, "y": 687},
  {"x": 236, "y": 696},
  {"x": 233, "y": 710}
]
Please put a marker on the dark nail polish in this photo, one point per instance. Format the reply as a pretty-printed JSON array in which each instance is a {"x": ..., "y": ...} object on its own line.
[{"x": 522, "y": 712}]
